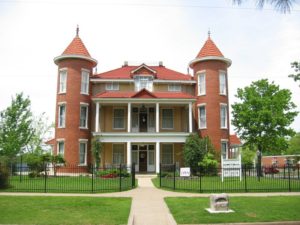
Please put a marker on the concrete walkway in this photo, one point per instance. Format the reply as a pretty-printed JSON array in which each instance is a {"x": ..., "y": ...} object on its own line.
[{"x": 148, "y": 206}]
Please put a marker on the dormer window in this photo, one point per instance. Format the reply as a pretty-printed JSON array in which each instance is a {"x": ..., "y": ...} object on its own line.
[{"x": 142, "y": 81}]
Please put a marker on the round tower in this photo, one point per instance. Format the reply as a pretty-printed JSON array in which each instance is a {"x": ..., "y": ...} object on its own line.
[
  {"x": 73, "y": 103},
  {"x": 211, "y": 107}
]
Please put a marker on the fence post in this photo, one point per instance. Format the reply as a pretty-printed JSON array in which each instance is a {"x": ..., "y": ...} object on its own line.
[
  {"x": 160, "y": 175},
  {"x": 45, "y": 179},
  {"x": 245, "y": 177},
  {"x": 298, "y": 166},
  {"x": 289, "y": 174},
  {"x": 133, "y": 175},
  {"x": 200, "y": 181},
  {"x": 93, "y": 171},
  {"x": 120, "y": 174},
  {"x": 174, "y": 173},
  {"x": 20, "y": 168}
]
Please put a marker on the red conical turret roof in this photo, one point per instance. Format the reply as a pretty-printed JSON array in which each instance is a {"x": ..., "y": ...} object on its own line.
[{"x": 209, "y": 49}]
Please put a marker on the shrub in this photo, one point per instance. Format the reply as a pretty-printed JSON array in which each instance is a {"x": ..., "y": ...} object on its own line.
[
  {"x": 209, "y": 164},
  {"x": 112, "y": 173},
  {"x": 4, "y": 178}
]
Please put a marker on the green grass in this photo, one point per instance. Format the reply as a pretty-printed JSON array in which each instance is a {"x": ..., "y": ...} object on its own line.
[
  {"x": 247, "y": 209},
  {"x": 68, "y": 184},
  {"x": 214, "y": 184},
  {"x": 63, "y": 210}
]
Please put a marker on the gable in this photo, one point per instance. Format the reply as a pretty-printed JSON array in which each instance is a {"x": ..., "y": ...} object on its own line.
[
  {"x": 143, "y": 70},
  {"x": 143, "y": 94}
]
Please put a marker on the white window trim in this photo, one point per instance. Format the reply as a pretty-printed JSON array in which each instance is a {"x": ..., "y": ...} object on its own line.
[
  {"x": 173, "y": 151},
  {"x": 227, "y": 147},
  {"x": 58, "y": 119},
  {"x": 62, "y": 70},
  {"x": 174, "y": 85},
  {"x": 226, "y": 117},
  {"x": 107, "y": 85},
  {"x": 85, "y": 141},
  {"x": 223, "y": 72},
  {"x": 113, "y": 118},
  {"x": 202, "y": 72},
  {"x": 163, "y": 128},
  {"x": 87, "y": 115},
  {"x": 137, "y": 79},
  {"x": 198, "y": 106},
  {"x": 88, "y": 84},
  {"x": 112, "y": 152},
  {"x": 62, "y": 140}
]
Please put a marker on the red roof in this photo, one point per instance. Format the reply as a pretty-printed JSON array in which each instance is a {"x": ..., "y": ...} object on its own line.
[
  {"x": 162, "y": 73},
  {"x": 234, "y": 140},
  {"x": 209, "y": 49},
  {"x": 50, "y": 142},
  {"x": 76, "y": 47},
  {"x": 142, "y": 94}
]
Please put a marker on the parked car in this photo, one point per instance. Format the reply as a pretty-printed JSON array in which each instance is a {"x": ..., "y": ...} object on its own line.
[{"x": 271, "y": 170}]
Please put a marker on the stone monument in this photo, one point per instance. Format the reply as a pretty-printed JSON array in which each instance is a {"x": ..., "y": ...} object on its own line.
[{"x": 219, "y": 203}]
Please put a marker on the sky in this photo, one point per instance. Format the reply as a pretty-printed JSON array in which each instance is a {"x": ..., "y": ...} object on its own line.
[{"x": 260, "y": 43}]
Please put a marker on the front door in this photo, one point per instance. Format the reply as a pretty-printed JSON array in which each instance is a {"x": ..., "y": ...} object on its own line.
[
  {"x": 143, "y": 122},
  {"x": 143, "y": 161}
]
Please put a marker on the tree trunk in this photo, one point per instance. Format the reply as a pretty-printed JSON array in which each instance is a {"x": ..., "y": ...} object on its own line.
[{"x": 258, "y": 165}]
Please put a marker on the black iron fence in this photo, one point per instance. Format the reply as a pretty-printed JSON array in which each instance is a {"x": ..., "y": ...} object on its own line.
[
  {"x": 66, "y": 178},
  {"x": 245, "y": 179}
]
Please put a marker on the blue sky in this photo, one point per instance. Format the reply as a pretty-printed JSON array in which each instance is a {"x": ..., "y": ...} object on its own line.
[{"x": 261, "y": 43}]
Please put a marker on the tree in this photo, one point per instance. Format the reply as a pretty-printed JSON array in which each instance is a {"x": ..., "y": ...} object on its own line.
[
  {"x": 294, "y": 145},
  {"x": 263, "y": 116},
  {"x": 283, "y": 6},
  {"x": 248, "y": 156},
  {"x": 96, "y": 150},
  {"x": 15, "y": 127},
  {"x": 296, "y": 66},
  {"x": 195, "y": 148}
]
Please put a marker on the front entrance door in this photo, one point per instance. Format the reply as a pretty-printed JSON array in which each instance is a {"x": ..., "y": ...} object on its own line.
[
  {"x": 143, "y": 161},
  {"x": 143, "y": 122}
]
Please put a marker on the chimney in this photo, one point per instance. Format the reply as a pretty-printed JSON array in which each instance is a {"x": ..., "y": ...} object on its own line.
[
  {"x": 160, "y": 63},
  {"x": 125, "y": 63}
]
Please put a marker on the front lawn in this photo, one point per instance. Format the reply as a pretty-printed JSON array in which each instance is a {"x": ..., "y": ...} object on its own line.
[
  {"x": 247, "y": 209},
  {"x": 63, "y": 210}
]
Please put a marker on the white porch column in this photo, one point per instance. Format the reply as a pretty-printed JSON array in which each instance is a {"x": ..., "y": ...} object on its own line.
[
  {"x": 157, "y": 157},
  {"x": 157, "y": 118},
  {"x": 128, "y": 153},
  {"x": 129, "y": 117},
  {"x": 97, "y": 117},
  {"x": 190, "y": 118}
]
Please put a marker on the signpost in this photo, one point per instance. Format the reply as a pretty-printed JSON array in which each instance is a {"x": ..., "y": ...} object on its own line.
[{"x": 231, "y": 167}]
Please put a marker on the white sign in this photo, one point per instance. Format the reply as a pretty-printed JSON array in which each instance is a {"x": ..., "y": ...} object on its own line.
[
  {"x": 185, "y": 171},
  {"x": 231, "y": 168}
]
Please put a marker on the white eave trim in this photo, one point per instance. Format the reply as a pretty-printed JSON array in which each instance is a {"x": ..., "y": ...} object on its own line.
[
  {"x": 208, "y": 58},
  {"x": 71, "y": 56},
  {"x": 145, "y": 100},
  {"x": 143, "y": 66},
  {"x": 99, "y": 80}
]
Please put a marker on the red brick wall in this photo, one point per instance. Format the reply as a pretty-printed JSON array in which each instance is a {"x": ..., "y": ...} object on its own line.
[
  {"x": 212, "y": 100},
  {"x": 72, "y": 133}
]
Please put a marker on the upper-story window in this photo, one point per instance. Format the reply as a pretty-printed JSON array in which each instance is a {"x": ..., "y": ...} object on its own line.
[
  {"x": 202, "y": 117},
  {"x": 62, "y": 81},
  {"x": 174, "y": 87},
  {"x": 84, "y": 115},
  {"x": 84, "y": 82},
  {"x": 201, "y": 84},
  {"x": 223, "y": 115},
  {"x": 62, "y": 115},
  {"x": 222, "y": 82},
  {"x": 167, "y": 119},
  {"x": 112, "y": 86},
  {"x": 119, "y": 118},
  {"x": 141, "y": 82}
]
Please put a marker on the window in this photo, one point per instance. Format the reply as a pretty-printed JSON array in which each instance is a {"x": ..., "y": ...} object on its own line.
[
  {"x": 201, "y": 84},
  {"x": 82, "y": 152},
  {"x": 174, "y": 87},
  {"x": 151, "y": 120},
  {"x": 118, "y": 153},
  {"x": 119, "y": 119},
  {"x": 63, "y": 81},
  {"x": 223, "y": 118},
  {"x": 222, "y": 81},
  {"x": 167, "y": 154},
  {"x": 62, "y": 116},
  {"x": 167, "y": 119},
  {"x": 84, "y": 116},
  {"x": 143, "y": 82},
  {"x": 112, "y": 86},
  {"x": 224, "y": 149},
  {"x": 202, "y": 116},
  {"x": 61, "y": 148},
  {"x": 84, "y": 82}
]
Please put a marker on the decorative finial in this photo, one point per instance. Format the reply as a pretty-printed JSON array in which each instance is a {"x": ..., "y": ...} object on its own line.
[
  {"x": 208, "y": 33},
  {"x": 77, "y": 31}
]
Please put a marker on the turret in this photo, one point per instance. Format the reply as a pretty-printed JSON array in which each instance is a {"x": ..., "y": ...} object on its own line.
[
  {"x": 73, "y": 103},
  {"x": 212, "y": 109}
]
